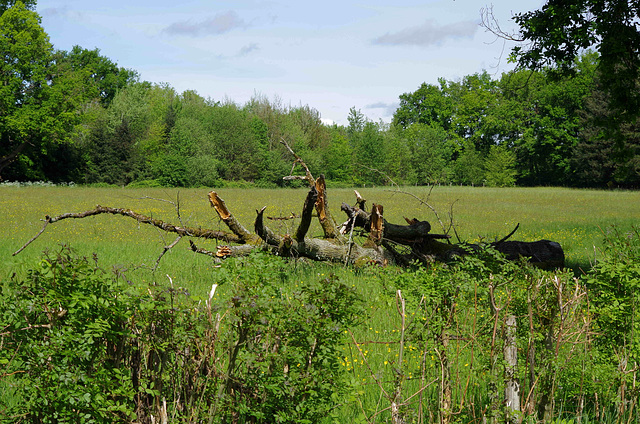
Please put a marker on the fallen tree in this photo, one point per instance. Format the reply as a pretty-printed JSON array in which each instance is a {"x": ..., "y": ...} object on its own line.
[{"x": 385, "y": 242}]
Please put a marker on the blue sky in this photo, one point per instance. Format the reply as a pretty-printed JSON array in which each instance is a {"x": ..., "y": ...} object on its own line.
[{"x": 330, "y": 55}]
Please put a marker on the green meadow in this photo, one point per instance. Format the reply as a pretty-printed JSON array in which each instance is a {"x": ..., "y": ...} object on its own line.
[
  {"x": 375, "y": 348},
  {"x": 574, "y": 218}
]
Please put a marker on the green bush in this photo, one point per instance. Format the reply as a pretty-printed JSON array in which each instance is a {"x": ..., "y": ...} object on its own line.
[
  {"x": 64, "y": 327},
  {"x": 80, "y": 344},
  {"x": 284, "y": 344},
  {"x": 614, "y": 296}
]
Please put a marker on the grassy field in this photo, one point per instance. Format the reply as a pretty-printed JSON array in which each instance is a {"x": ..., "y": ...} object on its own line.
[{"x": 574, "y": 218}]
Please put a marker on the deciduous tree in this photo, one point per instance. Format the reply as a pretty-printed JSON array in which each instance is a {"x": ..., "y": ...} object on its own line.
[{"x": 561, "y": 30}]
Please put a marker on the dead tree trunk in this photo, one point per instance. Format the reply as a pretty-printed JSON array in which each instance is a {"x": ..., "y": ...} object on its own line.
[{"x": 319, "y": 249}]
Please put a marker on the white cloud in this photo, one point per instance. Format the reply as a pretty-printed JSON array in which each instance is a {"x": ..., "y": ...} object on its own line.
[
  {"x": 388, "y": 109},
  {"x": 429, "y": 33},
  {"x": 216, "y": 25}
]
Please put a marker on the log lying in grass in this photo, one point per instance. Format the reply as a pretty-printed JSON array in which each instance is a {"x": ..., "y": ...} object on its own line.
[
  {"x": 381, "y": 246},
  {"x": 545, "y": 254}
]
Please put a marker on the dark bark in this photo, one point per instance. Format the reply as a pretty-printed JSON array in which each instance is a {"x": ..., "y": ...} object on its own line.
[
  {"x": 415, "y": 232},
  {"x": 227, "y": 217},
  {"x": 427, "y": 247},
  {"x": 307, "y": 210},
  {"x": 542, "y": 253},
  {"x": 319, "y": 249},
  {"x": 143, "y": 219}
]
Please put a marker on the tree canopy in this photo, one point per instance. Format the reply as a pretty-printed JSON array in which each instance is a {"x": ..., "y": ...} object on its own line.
[
  {"x": 561, "y": 30},
  {"x": 77, "y": 116}
]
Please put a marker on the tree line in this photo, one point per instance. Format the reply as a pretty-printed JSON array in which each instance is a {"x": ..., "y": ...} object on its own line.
[{"x": 77, "y": 116}]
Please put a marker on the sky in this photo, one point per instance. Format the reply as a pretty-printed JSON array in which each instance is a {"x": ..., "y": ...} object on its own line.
[{"x": 330, "y": 55}]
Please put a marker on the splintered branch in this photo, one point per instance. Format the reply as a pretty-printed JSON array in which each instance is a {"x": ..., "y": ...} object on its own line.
[
  {"x": 360, "y": 201},
  {"x": 322, "y": 207},
  {"x": 222, "y": 251},
  {"x": 377, "y": 223},
  {"x": 263, "y": 231},
  {"x": 324, "y": 215},
  {"x": 227, "y": 217},
  {"x": 143, "y": 219},
  {"x": 420, "y": 244}
]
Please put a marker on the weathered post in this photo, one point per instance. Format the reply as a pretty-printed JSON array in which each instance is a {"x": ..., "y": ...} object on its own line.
[{"x": 512, "y": 387}]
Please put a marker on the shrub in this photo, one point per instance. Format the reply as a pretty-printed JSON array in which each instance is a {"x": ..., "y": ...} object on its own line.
[
  {"x": 64, "y": 326},
  {"x": 80, "y": 344},
  {"x": 284, "y": 344}
]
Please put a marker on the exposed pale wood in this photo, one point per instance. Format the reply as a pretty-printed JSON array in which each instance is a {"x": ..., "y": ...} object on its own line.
[
  {"x": 377, "y": 223},
  {"x": 224, "y": 251},
  {"x": 360, "y": 201},
  {"x": 417, "y": 232},
  {"x": 320, "y": 249},
  {"x": 324, "y": 214},
  {"x": 218, "y": 204},
  {"x": 230, "y": 221}
]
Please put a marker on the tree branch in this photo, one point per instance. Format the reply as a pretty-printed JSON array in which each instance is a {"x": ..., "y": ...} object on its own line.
[{"x": 182, "y": 231}]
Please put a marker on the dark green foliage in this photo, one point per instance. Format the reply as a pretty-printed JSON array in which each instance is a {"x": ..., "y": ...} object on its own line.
[
  {"x": 64, "y": 327},
  {"x": 6, "y": 4},
  {"x": 560, "y": 30},
  {"x": 608, "y": 151},
  {"x": 284, "y": 363},
  {"x": 459, "y": 318},
  {"x": 83, "y": 345},
  {"x": 27, "y": 55},
  {"x": 44, "y": 96},
  {"x": 110, "y": 156},
  {"x": 614, "y": 284},
  {"x": 77, "y": 116}
]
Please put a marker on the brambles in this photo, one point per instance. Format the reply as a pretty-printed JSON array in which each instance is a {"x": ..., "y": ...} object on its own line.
[{"x": 79, "y": 342}]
